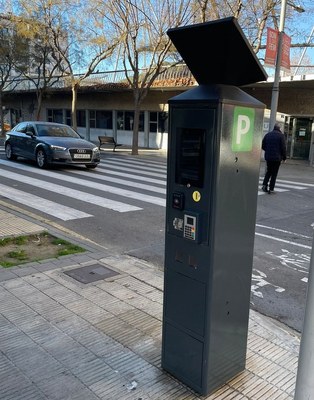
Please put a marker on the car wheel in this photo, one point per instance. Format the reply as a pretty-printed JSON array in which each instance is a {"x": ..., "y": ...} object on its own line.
[
  {"x": 91, "y": 166},
  {"x": 9, "y": 153},
  {"x": 41, "y": 159}
]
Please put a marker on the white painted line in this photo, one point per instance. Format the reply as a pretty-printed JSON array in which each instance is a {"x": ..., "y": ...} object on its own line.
[
  {"x": 260, "y": 193},
  {"x": 140, "y": 161},
  {"x": 39, "y": 203},
  {"x": 123, "y": 163},
  {"x": 132, "y": 170},
  {"x": 130, "y": 176},
  {"x": 284, "y": 241},
  {"x": 289, "y": 186},
  {"x": 146, "y": 162},
  {"x": 87, "y": 183},
  {"x": 305, "y": 280},
  {"x": 293, "y": 183},
  {"x": 296, "y": 183},
  {"x": 283, "y": 231},
  {"x": 72, "y": 193},
  {"x": 136, "y": 185}
]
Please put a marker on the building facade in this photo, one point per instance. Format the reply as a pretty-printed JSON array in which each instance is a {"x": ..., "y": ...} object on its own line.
[{"x": 103, "y": 110}]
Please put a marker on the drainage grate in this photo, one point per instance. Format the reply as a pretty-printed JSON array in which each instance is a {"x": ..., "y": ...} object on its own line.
[{"x": 91, "y": 273}]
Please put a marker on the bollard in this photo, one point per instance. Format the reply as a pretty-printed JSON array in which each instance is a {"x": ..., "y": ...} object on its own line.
[{"x": 304, "y": 389}]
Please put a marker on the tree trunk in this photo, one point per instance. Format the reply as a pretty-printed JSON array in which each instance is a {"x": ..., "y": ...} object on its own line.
[
  {"x": 1, "y": 115},
  {"x": 74, "y": 103},
  {"x": 135, "y": 130},
  {"x": 39, "y": 103}
]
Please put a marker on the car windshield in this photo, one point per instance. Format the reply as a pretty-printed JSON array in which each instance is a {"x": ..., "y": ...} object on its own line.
[{"x": 56, "y": 131}]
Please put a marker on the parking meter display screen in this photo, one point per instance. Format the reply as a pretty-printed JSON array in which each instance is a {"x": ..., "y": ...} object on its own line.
[{"x": 190, "y": 157}]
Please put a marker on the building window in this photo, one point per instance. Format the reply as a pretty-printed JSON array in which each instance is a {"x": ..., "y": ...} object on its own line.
[
  {"x": 92, "y": 119},
  {"x": 68, "y": 119},
  {"x": 104, "y": 119},
  {"x": 157, "y": 121},
  {"x": 81, "y": 118},
  {"x": 125, "y": 120},
  {"x": 100, "y": 119},
  {"x": 55, "y": 115},
  {"x": 153, "y": 122}
]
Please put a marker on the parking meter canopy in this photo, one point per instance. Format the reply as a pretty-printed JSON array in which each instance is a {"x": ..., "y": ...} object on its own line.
[{"x": 218, "y": 52}]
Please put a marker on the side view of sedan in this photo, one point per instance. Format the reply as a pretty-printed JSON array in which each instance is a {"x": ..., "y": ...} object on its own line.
[{"x": 50, "y": 143}]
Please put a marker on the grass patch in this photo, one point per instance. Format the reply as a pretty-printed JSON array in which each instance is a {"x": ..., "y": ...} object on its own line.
[{"x": 24, "y": 249}]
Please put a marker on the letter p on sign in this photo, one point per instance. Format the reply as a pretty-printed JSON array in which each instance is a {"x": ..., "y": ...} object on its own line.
[{"x": 243, "y": 129}]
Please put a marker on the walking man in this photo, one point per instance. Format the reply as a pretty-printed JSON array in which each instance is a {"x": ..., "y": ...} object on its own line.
[{"x": 274, "y": 145}]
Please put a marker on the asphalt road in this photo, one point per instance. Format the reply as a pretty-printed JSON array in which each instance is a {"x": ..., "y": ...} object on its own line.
[{"x": 121, "y": 206}]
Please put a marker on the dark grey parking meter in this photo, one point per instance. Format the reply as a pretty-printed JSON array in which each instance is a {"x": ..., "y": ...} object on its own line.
[{"x": 215, "y": 133}]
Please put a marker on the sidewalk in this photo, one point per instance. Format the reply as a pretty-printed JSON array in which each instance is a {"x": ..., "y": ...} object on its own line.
[{"x": 63, "y": 339}]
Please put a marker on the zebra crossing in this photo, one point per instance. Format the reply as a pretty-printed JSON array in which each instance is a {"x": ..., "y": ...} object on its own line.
[
  {"x": 122, "y": 184},
  {"x": 128, "y": 181},
  {"x": 285, "y": 186}
]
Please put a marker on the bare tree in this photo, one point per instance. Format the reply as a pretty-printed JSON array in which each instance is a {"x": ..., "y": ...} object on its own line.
[
  {"x": 144, "y": 45},
  {"x": 40, "y": 66},
  {"x": 66, "y": 41},
  {"x": 80, "y": 41},
  {"x": 12, "y": 54}
]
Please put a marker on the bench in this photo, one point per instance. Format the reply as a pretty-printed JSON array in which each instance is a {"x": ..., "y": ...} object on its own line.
[{"x": 108, "y": 140}]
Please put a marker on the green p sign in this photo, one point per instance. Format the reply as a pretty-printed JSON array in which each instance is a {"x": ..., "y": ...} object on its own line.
[{"x": 243, "y": 129}]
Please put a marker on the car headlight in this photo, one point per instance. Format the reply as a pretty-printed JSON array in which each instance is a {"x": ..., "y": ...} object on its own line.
[
  {"x": 95, "y": 150},
  {"x": 59, "y": 148}
]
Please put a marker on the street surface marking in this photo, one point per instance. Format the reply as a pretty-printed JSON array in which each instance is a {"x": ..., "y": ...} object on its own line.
[
  {"x": 49, "y": 207},
  {"x": 259, "y": 279},
  {"x": 284, "y": 241},
  {"x": 296, "y": 262},
  {"x": 152, "y": 163},
  {"x": 88, "y": 184},
  {"x": 132, "y": 170},
  {"x": 72, "y": 193},
  {"x": 130, "y": 176},
  {"x": 296, "y": 183},
  {"x": 131, "y": 166},
  {"x": 278, "y": 190},
  {"x": 121, "y": 181},
  {"x": 283, "y": 231},
  {"x": 281, "y": 184}
]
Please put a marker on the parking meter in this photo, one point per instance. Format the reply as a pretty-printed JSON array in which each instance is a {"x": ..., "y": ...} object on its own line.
[{"x": 215, "y": 132}]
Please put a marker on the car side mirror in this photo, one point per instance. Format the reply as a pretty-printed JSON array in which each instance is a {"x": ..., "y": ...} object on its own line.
[{"x": 29, "y": 133}]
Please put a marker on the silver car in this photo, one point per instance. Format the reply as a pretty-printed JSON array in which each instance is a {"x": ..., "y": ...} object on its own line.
[{"x": 50, "y": 143}]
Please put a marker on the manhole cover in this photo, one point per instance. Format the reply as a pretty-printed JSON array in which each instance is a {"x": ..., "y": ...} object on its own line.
[{"x": 91, "y": 273}]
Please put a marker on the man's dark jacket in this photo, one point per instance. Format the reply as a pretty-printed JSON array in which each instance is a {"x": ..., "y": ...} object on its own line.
[{"x": 274, "y": 145}]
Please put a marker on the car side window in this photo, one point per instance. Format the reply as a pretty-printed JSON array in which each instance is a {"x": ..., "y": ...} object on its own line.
[
  {"x": 21, "y": 128},
  {"x": 31, "y": 129}
]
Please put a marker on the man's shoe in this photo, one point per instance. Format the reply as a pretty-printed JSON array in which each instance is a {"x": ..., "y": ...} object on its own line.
[
  {"x": 271, "y": 191},
  {"x": 264, "y": 188}
]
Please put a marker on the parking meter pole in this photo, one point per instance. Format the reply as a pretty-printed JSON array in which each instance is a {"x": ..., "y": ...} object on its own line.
[{"x": 304, "y": 389}]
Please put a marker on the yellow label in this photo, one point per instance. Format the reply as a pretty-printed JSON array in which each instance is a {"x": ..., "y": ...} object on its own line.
[{"x": 196, "y": 196}]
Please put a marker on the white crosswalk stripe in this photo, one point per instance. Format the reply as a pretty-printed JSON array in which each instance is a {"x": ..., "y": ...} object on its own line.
[
  {"x": 124, "y": 182},
  {"x": 284, "y": 186},
  {"x": 124, "y": 166},
  {"x": 133, "y": 176},
  {"x": 49, "y": 207},
  {"x": 142, "y": 163}
]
